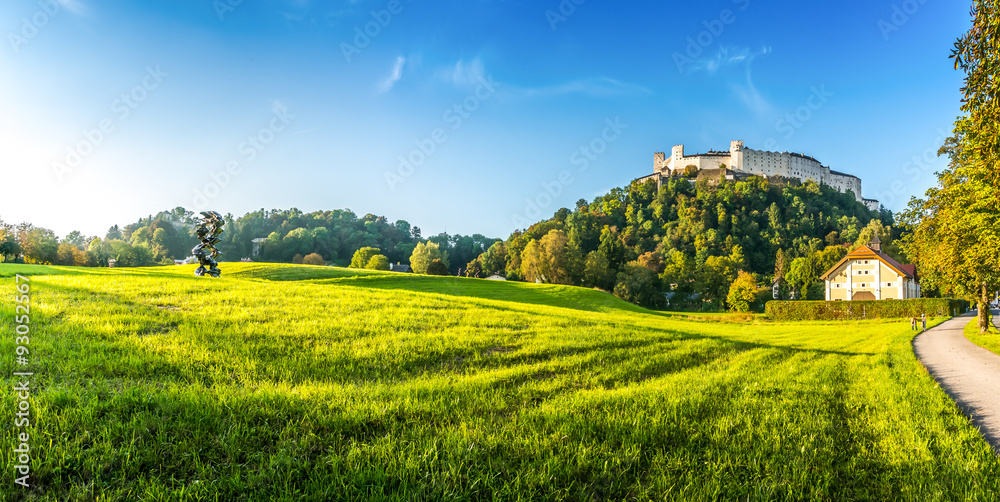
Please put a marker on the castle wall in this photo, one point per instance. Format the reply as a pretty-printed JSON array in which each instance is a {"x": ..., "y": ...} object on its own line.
[
  {"x": 707, "y": 161},
  {"x": 762, "y": 163},
  {"x": 845, "y": 182}
]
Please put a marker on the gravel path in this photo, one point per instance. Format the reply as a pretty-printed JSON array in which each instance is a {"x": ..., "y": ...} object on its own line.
[{"x": 968, "y": 373}]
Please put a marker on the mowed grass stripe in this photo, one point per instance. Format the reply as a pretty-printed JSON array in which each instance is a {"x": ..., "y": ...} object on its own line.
[{"x": 279, "y": 385}]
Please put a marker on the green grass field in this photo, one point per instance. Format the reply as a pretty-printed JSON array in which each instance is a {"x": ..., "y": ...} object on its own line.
[
  {"x": 989, "y": 341},
  {"x": 305, "y": 383}
]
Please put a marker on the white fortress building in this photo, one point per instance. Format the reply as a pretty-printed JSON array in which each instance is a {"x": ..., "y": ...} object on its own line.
[{"x": 750, "y": 162}]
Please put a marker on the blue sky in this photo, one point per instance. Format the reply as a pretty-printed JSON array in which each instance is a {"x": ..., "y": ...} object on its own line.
[{"x": 451, "y": 115}]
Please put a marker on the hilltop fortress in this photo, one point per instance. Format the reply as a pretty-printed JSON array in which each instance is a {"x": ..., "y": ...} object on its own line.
[{"x": 740, "y": 161}]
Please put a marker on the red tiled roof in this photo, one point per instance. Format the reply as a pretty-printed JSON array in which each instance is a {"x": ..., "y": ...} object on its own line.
[
  {"x": 863, "y": 252},
  {"x": 910, "y": 269}
]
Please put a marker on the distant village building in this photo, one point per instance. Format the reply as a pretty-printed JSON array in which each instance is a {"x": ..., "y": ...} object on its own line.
[
  {"x": 868, "y": 274},
  {"x": 405, "y": 269},
  {"x": 741, "y": 162},
  {"x": 111, "y": 262}
]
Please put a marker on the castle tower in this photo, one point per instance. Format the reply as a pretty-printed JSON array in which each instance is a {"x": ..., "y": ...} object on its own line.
[
  {"x": 677, "y": 157},
  {"x": 659, "y": 162},
  {"x": 736, "y": 155}
]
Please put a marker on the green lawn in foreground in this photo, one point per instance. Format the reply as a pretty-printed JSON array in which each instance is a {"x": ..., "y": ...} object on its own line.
[
  {"x": 989, "y": 341},
  {"x": 268, "y": 385}
]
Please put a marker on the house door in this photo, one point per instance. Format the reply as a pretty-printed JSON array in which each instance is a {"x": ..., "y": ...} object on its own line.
[{"x": 863, "y": 295}]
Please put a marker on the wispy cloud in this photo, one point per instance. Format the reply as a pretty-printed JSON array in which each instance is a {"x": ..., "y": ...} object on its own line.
[
  {"x": 739, "y": 58},
  {"x": 729, "y": 56},
  {"x": 389, "y": 82},
  {"x": 597, "y": 87},
  {"x": 466, "y": 74}
]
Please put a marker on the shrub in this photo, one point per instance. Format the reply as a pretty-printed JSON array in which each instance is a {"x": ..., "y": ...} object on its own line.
[
  {"x": 363, "y": 256},
  {"x": 297, "y": 259},
  {"x": 437, "y": 267},
  {"x": 425, "y": 253},
  {"x": 869, "y": 309},
  {"x": 639, "y": 285},
  {"x": 314, "y": 259},
  {"x": 742, "y": 293},
  {"x": 378, "y": 262}
]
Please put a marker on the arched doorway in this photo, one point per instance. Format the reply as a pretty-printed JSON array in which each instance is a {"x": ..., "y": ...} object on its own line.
[{"x": 863, "y": 295}]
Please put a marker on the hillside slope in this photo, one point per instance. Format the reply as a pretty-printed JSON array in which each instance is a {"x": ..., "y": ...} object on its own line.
[{"x": 301, "y": 383}]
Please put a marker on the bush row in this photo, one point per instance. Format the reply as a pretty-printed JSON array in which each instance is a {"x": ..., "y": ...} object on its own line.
[{"x": 869, "y": 309}]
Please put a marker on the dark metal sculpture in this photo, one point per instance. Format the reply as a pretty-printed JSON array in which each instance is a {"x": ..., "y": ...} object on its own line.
[{"x": 208, "y": 232}]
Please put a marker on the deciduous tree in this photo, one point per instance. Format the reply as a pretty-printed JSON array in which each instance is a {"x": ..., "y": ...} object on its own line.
[
  {"x": 955, "y": 229},
  {"x": 313, "y": 259},
  {"x": 437, "y": 267},
  {"x": 378, "y": 262},
  {"x": 639, "y": 285},
  {"x": 424, "y": 254},
  {"x": 363, "y": 256},
  {"x": 742, "y": 293}
]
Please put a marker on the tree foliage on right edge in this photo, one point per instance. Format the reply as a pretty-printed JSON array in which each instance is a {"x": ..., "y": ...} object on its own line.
[{"x": 956, "y": 236}]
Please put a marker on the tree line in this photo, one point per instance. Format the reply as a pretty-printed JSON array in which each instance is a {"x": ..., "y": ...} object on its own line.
[{"x": 287, "y": 236}]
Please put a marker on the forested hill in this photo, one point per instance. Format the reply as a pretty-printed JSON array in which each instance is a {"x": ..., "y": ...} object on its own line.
[{"x": 639, "y": 241}]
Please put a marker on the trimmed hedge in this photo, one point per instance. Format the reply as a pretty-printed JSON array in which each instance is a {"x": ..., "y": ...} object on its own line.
[{"x": 867, "y": 309}]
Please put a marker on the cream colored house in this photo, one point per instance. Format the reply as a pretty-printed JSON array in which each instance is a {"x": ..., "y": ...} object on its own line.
[{"x": 868, "y": 274}]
